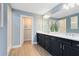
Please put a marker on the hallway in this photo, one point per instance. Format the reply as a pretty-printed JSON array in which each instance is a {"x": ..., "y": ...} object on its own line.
[{"x": 29, "y": 50}]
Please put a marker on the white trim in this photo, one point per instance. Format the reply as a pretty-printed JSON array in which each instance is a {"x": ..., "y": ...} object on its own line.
[
  {"x": 9, "y": 29},
  {"x": 27, "y": 40},
  {"x": 21, "y": 41},
  {"x": 8, "y": 51},
  {"x": 2, "y": 14},
  {"x": 16, "y": 46},
  {"x": 34, "y": 43},
  {"x": 21, "y": 32}
]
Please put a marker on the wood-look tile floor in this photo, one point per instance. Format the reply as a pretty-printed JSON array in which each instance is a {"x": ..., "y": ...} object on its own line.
[{"x": 28, "y": 49}]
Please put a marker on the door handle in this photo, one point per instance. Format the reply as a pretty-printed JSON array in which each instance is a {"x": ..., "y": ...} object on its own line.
[
  {"x": 52, "y": 38},
  {"x": 77, "y": 44},
  {"x": 60, "y": 46},
  {"x": 63, "y": 47}
]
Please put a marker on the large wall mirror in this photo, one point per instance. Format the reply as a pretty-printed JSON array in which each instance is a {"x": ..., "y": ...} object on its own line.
[
  {"x": 64, "y": 25},
  {"x": 68, "y": 25},
  {"x": 1, "y": 15}
]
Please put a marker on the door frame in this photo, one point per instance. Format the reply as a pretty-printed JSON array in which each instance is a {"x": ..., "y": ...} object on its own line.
[
  {"x": 21, "y": 29},
  {"x": 9, "y": 29}
]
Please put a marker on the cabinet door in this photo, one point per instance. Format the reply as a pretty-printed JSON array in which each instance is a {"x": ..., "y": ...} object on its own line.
[
  {"x": 39, "y": 39},
  {"x": 42, "y": 40},
  {"x": 46, "y": 39},
  {"x": 55, "y": 47},
  {"x": 70, "y": 51}
]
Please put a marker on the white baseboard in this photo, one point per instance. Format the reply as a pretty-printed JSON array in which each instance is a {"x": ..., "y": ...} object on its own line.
[
  {"x": 28, "y": 40},
  {"x": 16, "y": 46},
  {"x": 8, "y": 52},
  {"x": 34, "y": 43}
]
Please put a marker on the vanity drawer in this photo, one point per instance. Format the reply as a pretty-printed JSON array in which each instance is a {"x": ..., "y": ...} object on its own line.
[
  {"x": 65, "y": 41},
  {"x": 75, "y": 44}
]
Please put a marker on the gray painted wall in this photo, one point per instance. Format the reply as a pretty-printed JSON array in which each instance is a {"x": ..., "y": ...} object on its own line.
[
  {"x": 16, "y": 25},
  {"x": 3, "y": 33}
]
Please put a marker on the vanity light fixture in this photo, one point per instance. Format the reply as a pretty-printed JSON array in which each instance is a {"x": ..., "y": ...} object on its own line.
[
  {"x": 71, "y": 5},
  {"x": 68, "y": 6},
  {"x": 77, "y": 4},
  {"x": 65, "y": 6}
]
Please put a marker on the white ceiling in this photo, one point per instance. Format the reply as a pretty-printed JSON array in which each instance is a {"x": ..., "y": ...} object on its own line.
[
  {"x": 37, "y": 8},
  {"x": 63, "y": 12}
]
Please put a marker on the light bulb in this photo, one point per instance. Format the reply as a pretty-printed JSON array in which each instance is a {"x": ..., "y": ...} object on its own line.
[
  {"x": 65, "y": 6},
  {"x": 77, "y": 4},
  {"x": 71, "y": 5},
  {"x": 68, "y": 6},
  {"x": 46, "y": 16}
]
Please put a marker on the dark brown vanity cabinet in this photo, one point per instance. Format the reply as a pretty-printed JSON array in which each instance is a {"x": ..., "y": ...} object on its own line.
[
  {"x": 50, "y": 43},
  {"x": 57, "y": 46},
  {"x": 70, "y": 51},
  {"x": 46, "y": 42},
  {"x": 40, "y": 39},
  {"x": 43, "y": 40}
]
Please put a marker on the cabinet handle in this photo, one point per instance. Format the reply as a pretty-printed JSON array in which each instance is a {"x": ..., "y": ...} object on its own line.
[
  {"x": 77, "y": 44},
  {"x": 60, "y": 46},
  {"x": 63, "y": 47},
  {"x": 52, "y": 38}
]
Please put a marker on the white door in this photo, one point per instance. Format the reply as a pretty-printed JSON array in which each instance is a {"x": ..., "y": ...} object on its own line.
[{"x": 27, "y": 28}]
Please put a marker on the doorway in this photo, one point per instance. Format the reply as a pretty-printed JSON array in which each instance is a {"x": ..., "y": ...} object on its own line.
[{"x": 25, "y": 29}]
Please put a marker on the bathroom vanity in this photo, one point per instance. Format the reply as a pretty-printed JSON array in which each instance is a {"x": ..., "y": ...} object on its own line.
[{"x": 59, "y": 44}]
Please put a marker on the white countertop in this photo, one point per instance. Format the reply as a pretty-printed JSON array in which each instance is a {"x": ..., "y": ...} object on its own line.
[{"x": 71, "y": 36}]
